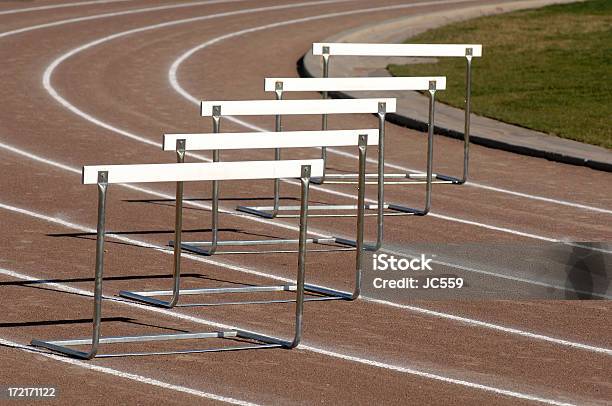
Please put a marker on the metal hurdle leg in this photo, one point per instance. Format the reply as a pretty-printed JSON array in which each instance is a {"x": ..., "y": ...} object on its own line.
[
  {"x": 277, "y": 151},
  {"x": 359, "y": 243},
  {"x": 468, "y": 108},
  {"x": 324, "y": 117},
  {"x": 380, "y": 206},
  {"x": 439, "y": 178},
  {"x": 59, "y": 346},
  {"x": 430, "y": 140}
]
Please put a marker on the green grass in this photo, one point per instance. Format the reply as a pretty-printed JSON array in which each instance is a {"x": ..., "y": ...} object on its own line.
[{"x": 548, "y": 69}]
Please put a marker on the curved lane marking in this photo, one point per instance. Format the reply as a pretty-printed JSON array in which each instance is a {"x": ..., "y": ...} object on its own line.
[{"x": 64, "y": 5}]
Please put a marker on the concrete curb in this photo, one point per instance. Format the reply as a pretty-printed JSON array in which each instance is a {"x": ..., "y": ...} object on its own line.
[{"x": 412, "y": 106}]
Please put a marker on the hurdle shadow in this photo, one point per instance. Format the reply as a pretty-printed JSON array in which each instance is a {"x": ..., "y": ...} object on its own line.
[
  {"x": 170, "y": 202},
  {"x": 68, "y": 322},
  {"x": 41, "y": 284},
  {"x": 168, "y": 232},
  {"x": 92, "y": 235}
]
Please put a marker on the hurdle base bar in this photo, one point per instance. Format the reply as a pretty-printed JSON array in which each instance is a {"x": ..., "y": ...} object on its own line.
[
  {"x": 352, "y": 243},
  {"x": 63, "y": 346},
  {"x": 390, "y": 179},
  {"x": 148, "y": 296},
  {"x": 267, "y": 211},
  {"x": 194, "y": 246},
  {"x": 407, "y": 210}
]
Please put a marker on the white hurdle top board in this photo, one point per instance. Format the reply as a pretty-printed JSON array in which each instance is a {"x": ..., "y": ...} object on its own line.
[
  {"x": 260, "y": 140},
  {"x": 416, "y": 50},
  {"x": 354, "y": 84},
  {"x": 186, "y": 172},
  {"x": 284, "y": 107}
]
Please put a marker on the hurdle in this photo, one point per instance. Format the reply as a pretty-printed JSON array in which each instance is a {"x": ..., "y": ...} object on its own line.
[
  {"x": 193, "y": 142},
  {"x": 217, "y": 109},
  {"x": 429, "y": 84},
  {"x": 264, "y": 140},
  {"x": 105, "y": 175},
  {"x": 467, "y": 51},
  {"x": 267, "y": 140}
]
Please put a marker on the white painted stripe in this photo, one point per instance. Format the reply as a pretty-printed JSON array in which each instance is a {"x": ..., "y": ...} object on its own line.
[
  {"x": 113, "y": 14},
  {"x": 63, "y": 5},
  {"x": 199, "y": 171},
  {"x": 286, "y": 107},
  {"x": 125, "y": 375},
  {"x": 353, "y": 84},
  {"x": 259, "y": 140},
  {"x": 416, "y": 50},
  {"x": 318, "y": 350},
  {"x": 173, "y": 78},
  {"x": 540, "y": 198},
  {"x": 436, "y": 377},
  {"x": 197, "y": 258}
]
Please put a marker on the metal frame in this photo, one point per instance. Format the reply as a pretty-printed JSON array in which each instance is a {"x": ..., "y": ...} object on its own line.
[
  {"x": 263, "y": 140},
  {"x": 468, "y": 51},
  {"x": 431, "y": 84},
  {"x": 294, "y": 107},
  {"x": 265, "y": 341}
]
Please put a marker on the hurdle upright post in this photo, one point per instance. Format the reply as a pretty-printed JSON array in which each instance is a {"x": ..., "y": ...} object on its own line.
[
  {"x": 299, "y": 303},
  {"x": 100, "y": 234},
  {"x": 430, "y": 141},
  {"x": 99, "y": 271},
  {"x": 324, "y": 116},
  {"x": 363, "y": 142},
  {"x": 278, "y": 127},
  {"x": 382, "y": 111},
  {"x": 178, "y": 228},
  {"x": 216, "y": 116},
  {"x": 430, "y": 146},
  {"x": 467, "y": 112}
]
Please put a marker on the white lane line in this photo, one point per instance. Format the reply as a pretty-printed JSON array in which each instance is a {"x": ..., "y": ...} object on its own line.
[
  {"x": 172, "y": 76},
  {"x": 112, "y": 14},
  {"x": 64, "y": 5},
  {"x": 317, "y": 350},
  {"x": 460, "y": 319},
  {"x": 125, "y": 375},
  {"x": 460, "y": 382}
]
